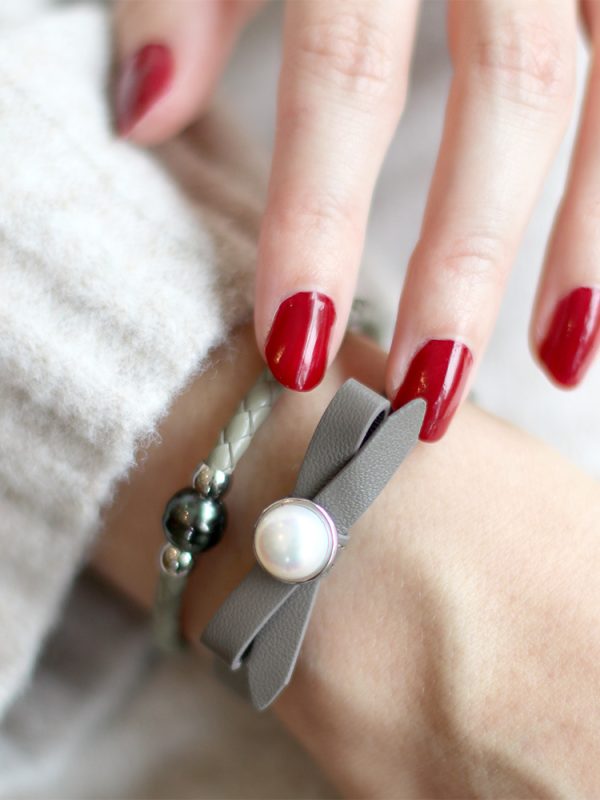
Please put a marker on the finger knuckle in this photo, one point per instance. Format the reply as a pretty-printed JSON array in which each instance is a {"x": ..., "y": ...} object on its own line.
[
  {"x": 530, "y": 62},
  {"x": 321, "y": 219},
  {"x": 349, "y": 50},
  {"x": 476, "y": 257},
  {"x": 323, "y": 214}
]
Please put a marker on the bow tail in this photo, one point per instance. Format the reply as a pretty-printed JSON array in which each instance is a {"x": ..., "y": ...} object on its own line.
[
  {"x": 231, "y": 632},
  {"x": 272, "y": 658}
]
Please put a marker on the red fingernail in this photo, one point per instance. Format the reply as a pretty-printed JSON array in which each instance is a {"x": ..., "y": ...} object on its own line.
[
  {"x": 572, "y": 336},
  {"x": 437, "y": 373},
  {"x": 298, "y": 341},
  {"x": 144, "y": 77}
]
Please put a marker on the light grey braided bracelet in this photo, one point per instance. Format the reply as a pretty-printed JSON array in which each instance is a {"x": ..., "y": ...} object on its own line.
[{"x": 195, "y": 517}]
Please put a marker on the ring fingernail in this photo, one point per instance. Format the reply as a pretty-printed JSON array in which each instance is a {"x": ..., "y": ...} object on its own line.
[
  {"x": 572, "y": 336},
  {"x": 143, "y": 78},
  {"x": 298, "y": 342},
  {"x": 438, "y": 373}
]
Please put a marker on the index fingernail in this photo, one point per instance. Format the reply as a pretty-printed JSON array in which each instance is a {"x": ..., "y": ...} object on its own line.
[
  {"x": 143, "y": 78},
  {"x": 572, "y": 336}
]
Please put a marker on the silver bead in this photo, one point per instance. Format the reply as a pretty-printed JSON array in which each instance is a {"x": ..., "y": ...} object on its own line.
[
  {"x": 210, "y": 482},
  {"x": 174, "y": 561}
]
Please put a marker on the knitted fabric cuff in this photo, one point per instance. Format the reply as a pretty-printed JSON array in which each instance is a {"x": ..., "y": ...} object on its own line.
[{"x": 119, "y": 271}]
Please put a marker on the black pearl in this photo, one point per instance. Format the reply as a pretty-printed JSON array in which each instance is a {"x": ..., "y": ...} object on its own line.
[{"x": 193, "y": 522}]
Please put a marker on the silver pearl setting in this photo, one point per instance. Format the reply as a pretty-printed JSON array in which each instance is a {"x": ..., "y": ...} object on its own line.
[
  {"x": 295, "y": 540},
  {"x": 175, "y": 562},
  {"x": 210, "y": 482}
]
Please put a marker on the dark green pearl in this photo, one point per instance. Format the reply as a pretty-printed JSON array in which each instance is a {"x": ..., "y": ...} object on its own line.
[{"x": 193, "y": 522}]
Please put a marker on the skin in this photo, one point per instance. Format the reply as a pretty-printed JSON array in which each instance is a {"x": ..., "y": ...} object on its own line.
[
  {"x": 454, "y": 648},
  {"x": 343, "y": 84}
]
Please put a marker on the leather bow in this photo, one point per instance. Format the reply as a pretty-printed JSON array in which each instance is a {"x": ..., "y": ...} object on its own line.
[{"x": 355, "y": 449}]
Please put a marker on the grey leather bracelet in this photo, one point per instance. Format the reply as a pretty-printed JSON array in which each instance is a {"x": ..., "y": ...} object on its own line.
[{"x": 356, "y": 448}]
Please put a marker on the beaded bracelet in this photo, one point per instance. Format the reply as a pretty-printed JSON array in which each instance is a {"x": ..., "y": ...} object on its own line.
[{"x": 195, "y": 517}]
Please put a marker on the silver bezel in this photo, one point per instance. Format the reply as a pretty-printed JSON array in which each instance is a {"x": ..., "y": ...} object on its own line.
[{"x": 329, "y": 524}]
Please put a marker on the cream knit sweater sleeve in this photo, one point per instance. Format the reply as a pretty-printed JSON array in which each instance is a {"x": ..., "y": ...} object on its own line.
[{"x": 119, "y": 270}]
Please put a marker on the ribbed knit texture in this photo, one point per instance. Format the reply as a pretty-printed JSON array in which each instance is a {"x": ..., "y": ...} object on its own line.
[{"x": 114, "y": 285}]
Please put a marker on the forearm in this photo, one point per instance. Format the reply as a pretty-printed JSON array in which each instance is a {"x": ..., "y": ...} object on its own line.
[{"x": 459, "y": 571}]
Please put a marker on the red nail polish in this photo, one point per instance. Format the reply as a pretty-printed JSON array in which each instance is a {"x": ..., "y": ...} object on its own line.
[
  {"x": 572, "y": 336},
  {"x": 144, "y": 77},
  {"x": 297, "y": 344},
  {"x": 437, "y": 373}
]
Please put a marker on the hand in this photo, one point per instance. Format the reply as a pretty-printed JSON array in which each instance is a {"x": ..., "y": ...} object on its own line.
[
  {"x": 342, "y": 88},
  {"x": 454, "y": 650}
]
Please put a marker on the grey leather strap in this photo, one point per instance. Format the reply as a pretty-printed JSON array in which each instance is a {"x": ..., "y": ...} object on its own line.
[{"x": 355, "y": 449}]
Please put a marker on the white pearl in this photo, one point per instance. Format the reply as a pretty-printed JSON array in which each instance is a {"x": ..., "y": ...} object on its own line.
[{"x": 294, "y": 540}]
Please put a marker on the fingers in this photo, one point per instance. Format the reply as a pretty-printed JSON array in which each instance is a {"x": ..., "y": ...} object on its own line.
[
  {"x": 565, "y": 328},
  {"x": 170, "y": 55},
  {"x": 508, "y": 107},
  {"x": 342, "y": 88}
]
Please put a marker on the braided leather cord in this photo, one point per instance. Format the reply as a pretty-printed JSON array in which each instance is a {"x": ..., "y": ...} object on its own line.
[
  {"x": 231, "y": 445},
  {"x": 167, "y": 612},
  {"x": 234, "y": 439}
]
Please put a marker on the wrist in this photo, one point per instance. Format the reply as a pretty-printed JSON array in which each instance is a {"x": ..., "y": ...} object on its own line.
[
  {"x": 128, "y": 549},
  {"x": 321, "y": 711},
  {"x": 411, "y": 647},
  {"x": 127, "y": 553}
]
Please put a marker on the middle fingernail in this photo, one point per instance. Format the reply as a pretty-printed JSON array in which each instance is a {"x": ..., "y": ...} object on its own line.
[
  {"x": 298, "y": 342},
  {"x": 143, "y": 78},
  {"x": 438, "y": 373},
  {"x": 572, "y": 336}
]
